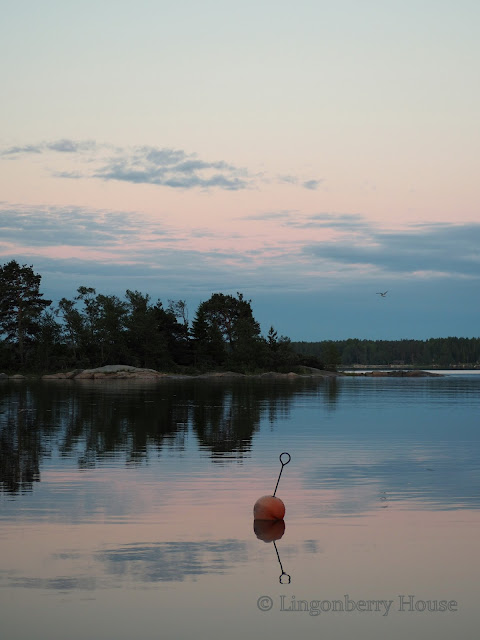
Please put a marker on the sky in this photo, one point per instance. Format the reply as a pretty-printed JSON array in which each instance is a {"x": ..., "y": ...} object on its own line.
[{"x": 306, "y": 154}]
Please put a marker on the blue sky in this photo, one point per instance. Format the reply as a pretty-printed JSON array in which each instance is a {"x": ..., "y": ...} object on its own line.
[{"x": 305, "y": 154}]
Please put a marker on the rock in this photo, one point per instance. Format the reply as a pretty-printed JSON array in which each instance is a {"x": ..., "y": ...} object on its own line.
[
  {"x": 85, "y": 375},
  {"x": 306, "y": 372},
  {"x": 17, "y": 376},
  {"x": 108, "y": 372},
  {"x": 126, "y": 372},
  {"x": 272, "y": 374},
  {"x": 118, "y": 372},
  {"x": 69, "y": 375},
  {"x": 3, "y": 376},
  {"x": 221, "y": 374}
]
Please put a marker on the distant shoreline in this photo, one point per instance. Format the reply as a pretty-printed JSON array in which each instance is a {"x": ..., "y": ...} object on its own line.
[{"x": 406, "y": 367}]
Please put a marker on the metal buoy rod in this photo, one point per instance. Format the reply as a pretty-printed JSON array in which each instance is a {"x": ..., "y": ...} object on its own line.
[
  {"x": 287, "y": 576},
  {"x": 283, "y": 464}
]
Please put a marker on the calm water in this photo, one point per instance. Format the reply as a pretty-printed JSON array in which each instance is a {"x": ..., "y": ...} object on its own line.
[{"x": 126, "y": 509}]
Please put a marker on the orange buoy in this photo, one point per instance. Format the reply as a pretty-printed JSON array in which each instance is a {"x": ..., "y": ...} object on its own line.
[{"x": 269, "y": 508}]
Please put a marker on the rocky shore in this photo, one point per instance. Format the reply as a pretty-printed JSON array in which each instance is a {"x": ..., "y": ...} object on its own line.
[{"x": 126, "y": 372}]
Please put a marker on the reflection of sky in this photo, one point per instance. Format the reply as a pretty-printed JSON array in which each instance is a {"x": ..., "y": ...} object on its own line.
[
  {"x": 381, "y": 441},
  {"x": 434, "y": 483},
  {"x": 173, "y": 561},
  {"x": 139, "y": 562}
]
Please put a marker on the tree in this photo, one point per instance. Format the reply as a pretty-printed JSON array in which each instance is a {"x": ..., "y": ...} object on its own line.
[
  {"x": 91, "y": 313},
  {"x": 226, "y": 333},
  {"x": 48, "y": 341},
  {"x": 208, "y": 344},
  {"x": 142, "y": 341},
  {"x": 72, "y": 328},
  {"x": 272, "y": 339},
  {"x": 180, "y": 310},
  {"x": 111, "y": 322},
  {"x": 154, "y": 337},
  {"x": 21, "y": 305},
  {"x": 280, "y": 355},
  {"x": 331, "y": 356}
]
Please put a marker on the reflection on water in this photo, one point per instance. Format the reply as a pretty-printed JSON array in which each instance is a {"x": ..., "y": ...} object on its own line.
[
  {"x": 145, "y": 563},
  {"x": 96, "y": 423},
  {"x": 173, "y": 560},
  {"x": 402, "y": 438},
  {"x": 110, "y": 487}
]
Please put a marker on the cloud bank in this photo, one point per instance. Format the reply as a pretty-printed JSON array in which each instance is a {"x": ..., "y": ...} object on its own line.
[
  {"x": 444, "y": 249},
  {"x": 96, "y": 240},
  {"x": 174, "y": 168},
  {"x": 312, "y": 277}
]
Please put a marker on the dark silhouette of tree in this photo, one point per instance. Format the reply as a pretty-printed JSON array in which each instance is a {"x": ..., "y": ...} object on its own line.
[
  {"x": 439, "y": 352},
  {"x": 331, "y": 356},
  {"x": 144, "y": 345},
  {"x": 154, "y": 337},
  {"x": 279, "y": 355},
  {"x": 94, "y": 329},
  {"x": 180, "y": 310},
  {"x": 111, "y": 322},
  {"x": 208, "y": 343},
  {"x": 48, "y": 344},
  {"x": 225, "y": 333},
  {"x": 72, "y": 326},
  {"x": 21, "y": 306}
]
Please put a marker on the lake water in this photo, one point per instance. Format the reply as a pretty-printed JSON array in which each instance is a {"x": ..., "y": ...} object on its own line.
[{"x": 126, "y": 509}]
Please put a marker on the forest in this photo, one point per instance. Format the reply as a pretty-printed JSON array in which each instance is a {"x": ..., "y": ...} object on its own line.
[
  {"x": 431, "y": 353},
  {"x": 92, "y": 329}
]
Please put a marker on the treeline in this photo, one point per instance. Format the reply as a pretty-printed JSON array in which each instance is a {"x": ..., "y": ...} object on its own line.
[
  {"x": 441, "y": 352},
  {"x": 91, "y": 329}
]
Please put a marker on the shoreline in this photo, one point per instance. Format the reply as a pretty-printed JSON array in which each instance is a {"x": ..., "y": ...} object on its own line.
[{"x": 126, "y": 372}]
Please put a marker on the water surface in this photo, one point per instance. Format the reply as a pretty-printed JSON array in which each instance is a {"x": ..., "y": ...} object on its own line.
[{"x": 126, "y": 508}]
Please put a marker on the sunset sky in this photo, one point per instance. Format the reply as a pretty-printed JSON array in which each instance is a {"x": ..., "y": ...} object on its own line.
[{"x": 307, "y": 154}]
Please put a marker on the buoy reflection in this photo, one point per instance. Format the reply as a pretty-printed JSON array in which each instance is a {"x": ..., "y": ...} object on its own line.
[{"x": 271, "y": 531}]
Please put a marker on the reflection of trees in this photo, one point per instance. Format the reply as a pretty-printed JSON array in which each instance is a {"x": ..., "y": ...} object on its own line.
[
  {"x": 226, "y": 415},
  {"x": 19, "y": 457},
  {"x": 331, "y": 391},
  {"x": 225, "y": 418},
  {"x": 110, "y": 420},
  {"x": 99, "y": 421},
  {"x": 21, "y": 445}
]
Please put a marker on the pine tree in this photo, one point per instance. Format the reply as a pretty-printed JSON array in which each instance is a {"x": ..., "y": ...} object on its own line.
[{"x": 21, "y": 305}]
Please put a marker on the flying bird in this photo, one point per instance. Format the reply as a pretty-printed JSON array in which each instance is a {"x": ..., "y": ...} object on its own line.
[{"x": 379, "y": 293}]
